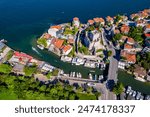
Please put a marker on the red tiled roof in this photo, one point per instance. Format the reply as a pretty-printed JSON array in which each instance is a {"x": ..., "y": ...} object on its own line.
[
  {"x": 58, "y": 43},
  {"x": 97, "y": 20},
  {"x": 101, "y": 20},
  {"x": 129, "y": 57},
  {"x": 108, "y": 18},
  {"x": 147, "y": 35},
  {"x": 75, "y": 19},
  {"x": 91, "y": 22},
  {"x": 148, "y": 26},
  {"x": 57, "y": 27},
  {"x": 66, "y": 48},
  {"x": 47, "y": 36},
  {"x": 127, "y": 46},
  {"x": 22, "y": 55},
  {"x": 116, "y": 31}
]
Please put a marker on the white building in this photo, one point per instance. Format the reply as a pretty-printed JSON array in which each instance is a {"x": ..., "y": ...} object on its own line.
[
  {"x": 121, "y": 65},
  {"x": 55, "y": 31},
  {"x": 47, "y": 68},
  {"x": 76, "y": 22}
]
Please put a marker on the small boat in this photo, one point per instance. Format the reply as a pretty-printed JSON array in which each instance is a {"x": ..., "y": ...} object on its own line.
[
  {"x": 41, "y": 47},
  {"x": 34, "y": 49}
]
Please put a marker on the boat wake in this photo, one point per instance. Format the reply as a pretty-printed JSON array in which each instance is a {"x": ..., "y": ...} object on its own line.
[{"x": 35, "y": 50}]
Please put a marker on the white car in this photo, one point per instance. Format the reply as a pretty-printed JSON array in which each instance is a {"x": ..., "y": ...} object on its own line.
[
  {"x": 134, "y": 94},
  {"x": 128, "y": 90},
  {"x": 138, "y": 96},
  {"x": 147, "y": 97},
  {"x": 131, "y": 92},
  {"x": 91, "y": 84}
]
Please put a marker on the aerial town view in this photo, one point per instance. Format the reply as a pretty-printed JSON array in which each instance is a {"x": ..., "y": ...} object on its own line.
[{"x": 101, "y": 57}]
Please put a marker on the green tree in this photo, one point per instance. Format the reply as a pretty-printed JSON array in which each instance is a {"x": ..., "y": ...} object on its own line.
[
  {"x": 42, "y": 41},
  {"x": 5, "y": 68},
  {"x": 30, "y": 70},
  {"x": 118, "y": 89},
  {"x": 117, "y": 37}
]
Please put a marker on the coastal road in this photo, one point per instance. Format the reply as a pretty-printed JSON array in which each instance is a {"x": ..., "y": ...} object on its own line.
[{"x": 113, "y": 67}]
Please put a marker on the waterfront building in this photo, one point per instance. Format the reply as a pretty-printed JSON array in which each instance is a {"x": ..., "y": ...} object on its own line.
[
  {"x": 46, "y": 36},
  {"x": 47, "y": 68},
  {"x": 121, "y": 65},
  {"x": 109, "y": 19},
  {"x": 76, "y": 22},
  {"x": 147, "y": 28},
  {"x": 66, "y": 49},
  {"x": 21, "y": 58},
  {"x": 56, "y": 45},
  {"x": 90, "y": 22},
  {"x": 139, "y": 72},
  {"x": 55, "y": 31},
  {"x": 130, "y": 58},
  {"x": 140, "y": 22}
]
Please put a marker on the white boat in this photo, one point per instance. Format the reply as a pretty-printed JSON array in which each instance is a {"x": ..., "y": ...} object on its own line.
[
  {"x": 41, "y": 47},
  {"x": 34, "y": 49}
]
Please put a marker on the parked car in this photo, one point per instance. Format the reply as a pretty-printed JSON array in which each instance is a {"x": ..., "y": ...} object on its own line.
[
  {"x": 91, "y": 84},
  {"x": 138, "y": 96},
  {"x": 134, "y": 94},
  {"x": 147, "y": 97},
  {"x": 142, "y": 97},
  {"x": 131, "y": 92},
  {"x": 128, "y": 90}
]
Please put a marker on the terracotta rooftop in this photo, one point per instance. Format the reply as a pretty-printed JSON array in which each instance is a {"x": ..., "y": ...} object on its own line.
[
  {"x": 22, "y": 55},
  {"x": 108, "y": 18},
  {"x": 144, "y": 14},
  {"x": 66, "y": 48},
  {"x": 47, "y": 36},
  {"x": 91, "y": 22},
  {"x": 116, "y": 31},
  {"x": 56, "y": 27},
  {"x": 129, "y": 57},
  {"x": 125, "y": 29},
  {"x": 58, "y": 43},
  {"x": 140, "y": 70},
  {"x": 130, "y": 40},
  {"x": 75, "y": 19},
  {"x": 127, "y": 46},
  {"x": 96, "y": 20},
  {"x": 101, "y": 20},
  {"x": 148, "y": 26}
]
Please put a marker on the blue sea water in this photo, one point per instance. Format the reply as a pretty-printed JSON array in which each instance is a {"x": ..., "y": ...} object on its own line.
[{"x": 22, "y": 21}]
